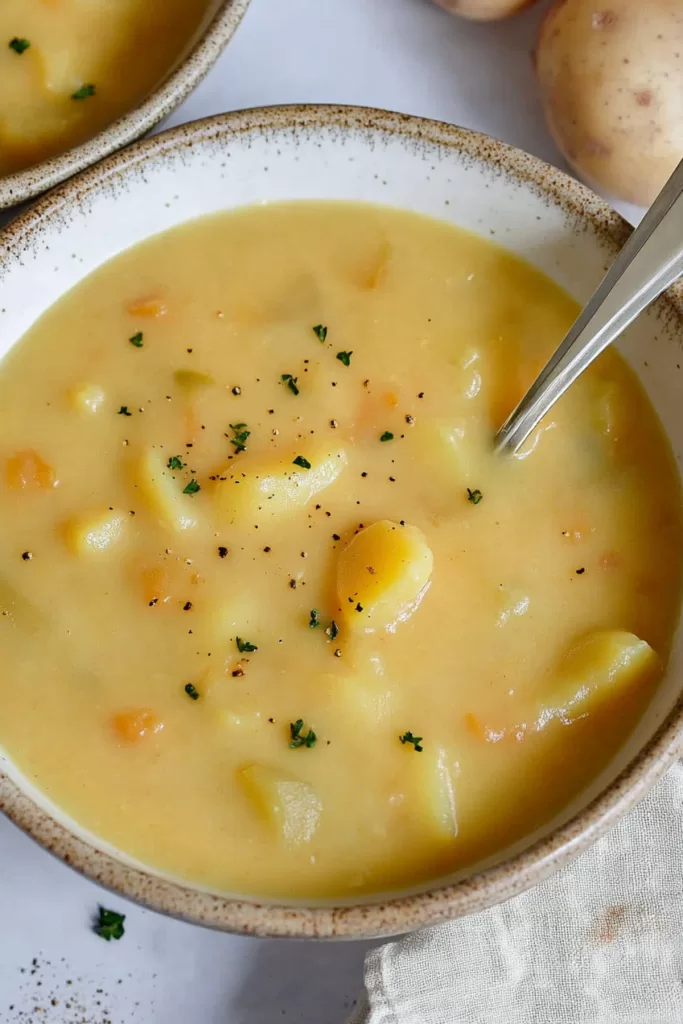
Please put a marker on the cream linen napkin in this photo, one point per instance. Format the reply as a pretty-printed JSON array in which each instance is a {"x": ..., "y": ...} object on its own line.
[{"x": 601, "y": 942}]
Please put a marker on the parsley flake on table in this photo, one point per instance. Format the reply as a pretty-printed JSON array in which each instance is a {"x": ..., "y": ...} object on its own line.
[
  {"x": 175, "y": 462},
  {"x": 109, "y": 925},
  {"x": 474, "y": 496},
  {"x": 344, "y": 357},
  {"x": 124, "y": 411},
  {"x": 290, "y": 382},
  {"x": 19, "y": 45},
  {"x": 239, "y": 440},
  {"x": 297, "y": 737},
  {"x": 136, "y": 340},
  {"x": 408, "y": 737},
  {"x": 192, "y": 487},
  {"x": 84, "y": 92},
  {"x": 301, "y": 461},
  {"x": 191, "y": 691},
  {"x": 245, "y": 646},
  {"x": 320, "y": 332},
  {"x": 386, "y": 436},
  {"x": 314, "y": 619}
]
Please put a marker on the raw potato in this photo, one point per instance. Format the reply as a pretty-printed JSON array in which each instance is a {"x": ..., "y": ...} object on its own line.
[
  {"x": 383, "y": 574},
  {"x": 97, "y": 533},
  {"x": 484, "y": 10},
  {"x": 163, "y": 491},
  {"x": 276, "y": 490},
  {"x": 288, "y": 805},
  {"x": 611, "y": 78},
  {"x": 593, "y": 670}
]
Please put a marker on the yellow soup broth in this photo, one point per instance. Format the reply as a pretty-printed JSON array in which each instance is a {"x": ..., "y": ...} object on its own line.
[
  {"x": 68, "y": 68},
  {"x": 275, "y": 619}
]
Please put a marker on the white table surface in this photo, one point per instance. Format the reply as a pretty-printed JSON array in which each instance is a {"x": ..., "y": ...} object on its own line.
[{"x": 405, "y": 55}]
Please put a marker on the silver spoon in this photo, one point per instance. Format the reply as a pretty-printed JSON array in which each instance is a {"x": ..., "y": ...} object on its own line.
[{"x": 651, "y": 260}]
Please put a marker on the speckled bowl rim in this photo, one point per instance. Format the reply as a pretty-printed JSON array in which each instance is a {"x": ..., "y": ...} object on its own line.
[
  {"x": 441, "y": 901},
  {"x": 17, "y": 188}
]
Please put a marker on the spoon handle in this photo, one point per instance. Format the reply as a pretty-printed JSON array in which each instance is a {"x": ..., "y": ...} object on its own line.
[{"x": 650, "y": 261}]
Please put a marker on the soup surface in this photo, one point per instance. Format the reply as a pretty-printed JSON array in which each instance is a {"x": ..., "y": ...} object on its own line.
[
  {"x": 68, "y": 68},
  {"x": 274, "y": 618}
]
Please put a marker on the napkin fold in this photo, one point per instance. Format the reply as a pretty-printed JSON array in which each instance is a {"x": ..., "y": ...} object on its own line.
[{"x": 601, "y": 942}]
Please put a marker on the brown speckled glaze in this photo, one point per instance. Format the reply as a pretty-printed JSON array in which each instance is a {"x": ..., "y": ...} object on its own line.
[
  {"x": 16, "y": 188},
  {"x": 583, "y": 213}
]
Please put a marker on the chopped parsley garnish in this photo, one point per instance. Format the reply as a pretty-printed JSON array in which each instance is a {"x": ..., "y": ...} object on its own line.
[
  {"x": 136, "y": 340},
  {"x": 124, "y": 411},
  {"x": 301, "y": 461},
  {"x": 320, "y": 332},
  {"x": 474, "y": 496},
  {"x": 387, "y": 436},
  {"x": 192, "y": 691},
  {"x": 191, "y": 488},
  {"x": 244, "y": 646},
  {"x": 19, "y": 45},
  {"x": 240, "y": 439},
  {"x": 84, "y": 92},
  {"x": 344, "y": 357},
  {"x": 332, "y": 630},
  {"x": 290, "y": 382},
  {"x": 175, "y": 462},
  {"x": 314, "y": 619},
  {"x": 298, "y": 739},
  {"x": 109, "y": 925},
  {"x": 408, "y": 737}
]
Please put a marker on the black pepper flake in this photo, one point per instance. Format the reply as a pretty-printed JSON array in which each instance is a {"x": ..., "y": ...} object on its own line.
[
  {"x": 191, "y": 691},
  {"x": 335, "y": 536},
  {"x": 155, "y": 600},
  {"x": 580, "y": 571},
  {"x": 410, "y": 419},
  {"x": 337, "y": 653},
  {"x": 364, "y": 473},
  {"x": 237, "y": 672},
  {"x": 292, "y": 584},
  {"x": 359, "y": 607},
  {"x": 421, "y": 395},
  {"x": 266, "y": 549},
  {"x": 187, "y": 606},
  {"x": 237, "y": 390},
  {"x": 222, "y": 551},
  {"x": 27, "y": 555}
]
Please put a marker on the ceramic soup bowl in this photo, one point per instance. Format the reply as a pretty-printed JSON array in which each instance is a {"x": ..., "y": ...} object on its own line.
[
  {"x": 436, "y": 169},
  {"x": 201, "y": 53}
]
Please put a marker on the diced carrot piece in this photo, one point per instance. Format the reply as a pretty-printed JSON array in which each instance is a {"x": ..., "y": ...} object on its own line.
[
  {"x": 474, "y": 726},
  {"x": 26, "y": 470},
  {"x": 133, "y": 726},
  {"x": 156, "y": 588},
  {"x": 149, "y": 308}
]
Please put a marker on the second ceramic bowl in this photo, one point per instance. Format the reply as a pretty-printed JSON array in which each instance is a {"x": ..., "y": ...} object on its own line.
[{"x": 221, "y": 23}]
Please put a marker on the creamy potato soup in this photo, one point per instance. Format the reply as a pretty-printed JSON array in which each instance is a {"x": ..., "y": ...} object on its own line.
[
  {"x": 275, "y": 619},
  {"x": 68, "y": 68}
]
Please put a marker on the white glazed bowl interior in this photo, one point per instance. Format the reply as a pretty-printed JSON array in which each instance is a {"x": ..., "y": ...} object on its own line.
[{"x": 328, "y": 153}]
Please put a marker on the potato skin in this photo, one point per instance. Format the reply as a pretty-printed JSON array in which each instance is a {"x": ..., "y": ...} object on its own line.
[
  {"x": 611, "y": 79},
  {"x": 484, "y": 10}
]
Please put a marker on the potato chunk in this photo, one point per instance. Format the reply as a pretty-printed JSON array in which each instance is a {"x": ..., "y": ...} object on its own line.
[
  {"x": 383, "y": 574},
  {"x": 164, "y": 492},
  {"x": 597, "y": 668},
  {"x": 434, "y": 790},
  {"x": 255, "y": 493},
  {"x": 289, "y": 806},
  {"x": 87, "y": 398},
  {"x": 96, "y": 533}
]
